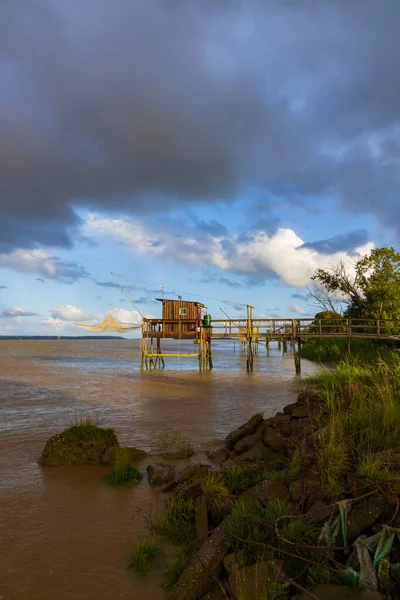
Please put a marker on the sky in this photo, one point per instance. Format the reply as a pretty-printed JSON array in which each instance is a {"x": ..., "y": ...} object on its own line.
[{"x": 223, "y": 150}]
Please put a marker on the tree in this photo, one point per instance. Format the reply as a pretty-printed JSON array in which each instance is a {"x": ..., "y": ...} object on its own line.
[{"x": 372, "y": 290}]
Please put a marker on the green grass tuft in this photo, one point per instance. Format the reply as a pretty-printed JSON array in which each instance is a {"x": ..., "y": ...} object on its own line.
[
  {"x": 143, "y": 553},
  {"x": 123, "y": 471},
  {"x": 85, "y": 428},
  {"x": 175, "y": 568},
  {"x": 237, "y": 478},
  {"x": 178, "y": 523}
]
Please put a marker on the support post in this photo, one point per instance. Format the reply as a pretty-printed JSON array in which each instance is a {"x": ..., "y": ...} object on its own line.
[{"x": 348, "y": 336}]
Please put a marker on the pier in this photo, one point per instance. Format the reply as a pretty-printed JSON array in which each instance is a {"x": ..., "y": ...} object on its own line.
[{"x": 252, "y": 333}]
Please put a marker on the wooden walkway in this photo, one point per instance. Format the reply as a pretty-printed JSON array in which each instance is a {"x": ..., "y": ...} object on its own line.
[{"x": 252, "y": 332}]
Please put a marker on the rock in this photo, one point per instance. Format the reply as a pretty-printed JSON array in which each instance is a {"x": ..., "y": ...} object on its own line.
[
  {"x": 250, "y": 582},
  {"x": 198, "y": 577},
  {"x": 319, "y": 512},
  {"x": 189, "y": 489},
  {"x": 274, "y": 439},
  {"x": 330, "y": 591},
  {"x": 243, "y": 431},
  {"x": 309, "y": 398},
  {"x": 159, "y": 473},
  {"x": 215, "y": 594},
  {"x": 248, "y": 442},
  {"x": 288, "y": 409},
  {"x": 305, "y": 490},
  {"x": 193, "y": 471},
  {"x": 180, "y": 454},
  {"x": 80, "y": 445},
  {"x": 234, "y": 561},
  {"x": 219, "y": 456},
  {"x": 169, "y": 487},
  {"x": 266, "y": 491},
  {"x": 301, "y": 412},
  {"x": 136, "y": 454},
  {"x": 257, "y": 453},
  {"x": 362, "y": 516},
  {"x": 278, "y": 420}
]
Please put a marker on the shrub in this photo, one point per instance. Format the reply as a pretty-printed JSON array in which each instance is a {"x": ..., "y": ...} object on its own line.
[
  {"x": 175, "y": 568},
  {"x": 123, "y": 471},
  {"x": 143, "y": 553},
  {"x": 178, "y": 523}
]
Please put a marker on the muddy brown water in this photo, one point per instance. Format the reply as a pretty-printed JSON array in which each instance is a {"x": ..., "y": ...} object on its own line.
[{"x": 64, "y": 534}]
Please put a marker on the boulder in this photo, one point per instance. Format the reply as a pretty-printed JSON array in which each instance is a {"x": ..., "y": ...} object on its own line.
[
  {"x": 330, "y": 591},
  {"x": 309, "y": 398},
  {"x": 266, "y": 491},
  {"x": 219, "y": 455},
  {"x": 305, "y": 490},
  {"x": 80, "y": 445},
  {"x": 243, "y": 431},
  {"x": 257, "y": 453},
  {"x": 180, "y": 454},
  {"x": 301, "y": 412},
  {"x": 234, "y": 561},
  {"x": 250, "y": 582},
  {"x": 189, "y": 489},
  {"x": 215, "y": 594},
  {"x": 159, "y": 473},
  {"x": 193, "y": 471},
  {"x": 274, "y": 439},
  {"x": 248, "y": 442},
  {"x": 199, "y": 576},
  {"x": 288, "y": 409},
  {"x": 362, "y": 516},
  {"x": 319, "y": 512}
]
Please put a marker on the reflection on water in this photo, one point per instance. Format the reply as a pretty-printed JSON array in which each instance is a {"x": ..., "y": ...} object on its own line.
[{"x": 64, "y": 533}]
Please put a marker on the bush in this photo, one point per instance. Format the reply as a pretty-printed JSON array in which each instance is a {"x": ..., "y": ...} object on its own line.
[
  {"x": 123, "y": 471},
  {"x": 175, "y": 568},
  {"x": 178, "y": 523},
  {"x": 143, "y": 553}
]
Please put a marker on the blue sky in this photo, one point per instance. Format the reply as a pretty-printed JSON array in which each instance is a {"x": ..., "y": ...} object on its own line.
[{"x": 224, "y": 150}]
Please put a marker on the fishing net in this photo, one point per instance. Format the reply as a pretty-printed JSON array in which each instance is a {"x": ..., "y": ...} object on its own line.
[{"x": 110, "y": 324}]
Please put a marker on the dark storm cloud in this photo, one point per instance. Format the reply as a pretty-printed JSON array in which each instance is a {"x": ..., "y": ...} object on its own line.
[
  {"x": 346, "y": 242},
  {"x": 146, "y": 105}
]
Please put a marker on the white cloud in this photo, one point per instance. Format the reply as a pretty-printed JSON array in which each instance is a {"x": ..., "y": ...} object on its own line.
[
  {"x": 53, "y": 323},
  {"x": 16, "y": 312},
  {"x": 295, "y": 308},
  {"x": 257, "y": 254},
  {"x": 39, "y": 261},
  {"x": 66, "y": 313}
]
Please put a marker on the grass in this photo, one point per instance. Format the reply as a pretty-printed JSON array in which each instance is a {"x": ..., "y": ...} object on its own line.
[
  {"x": 143, "y": 554},
  {"x": 333, "y": 351},
  {"x": 215, "y": 492},
  {"x": 123, "y": 471},
  {"x": 175, "y": 568},
  {"x": 237, "y": 478},
  {"x": 86, "y": 429},
  {"x": 360, "y": 417},
  {"x": 243, "y": 524},
  {"x": 178, "y": 523}
]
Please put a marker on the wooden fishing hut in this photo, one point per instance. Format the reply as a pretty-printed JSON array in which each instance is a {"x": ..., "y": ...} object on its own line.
[{"x": 181, "y": 319}]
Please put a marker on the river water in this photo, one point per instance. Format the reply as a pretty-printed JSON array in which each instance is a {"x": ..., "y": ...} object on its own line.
[{"x": 64, "y": 534}]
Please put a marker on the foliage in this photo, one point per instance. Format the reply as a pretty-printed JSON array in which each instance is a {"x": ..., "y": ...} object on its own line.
[
  {"x": 372, "y": 290},
  {"x": 237, "y": 478},
  {"x": 85, "y": 428},
  {"x": 175, "y": 568},
  {"x": 123, "y": 471},
  {"x": 332, "y": 351},
  {"x": 244, "y": 523},
  {"x": 215, "y": 492},
  {"x": 167, "y": 440},
  {"x": 178, "y": 523},
  {"x": 143, "y": 553}
]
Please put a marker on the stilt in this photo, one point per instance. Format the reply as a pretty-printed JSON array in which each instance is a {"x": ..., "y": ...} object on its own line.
[
  {"x": 210, "y": 363},
  {"x": 297, "y": 356},
  {"x": 249, "y": 364},
  {"x": 159, "y": 358},
  {"x": 279, "y": 345},
  {"x": 267, "y": 346}
]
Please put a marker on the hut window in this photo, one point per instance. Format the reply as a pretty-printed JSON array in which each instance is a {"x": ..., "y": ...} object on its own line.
[{"x": 182, "y": 311}]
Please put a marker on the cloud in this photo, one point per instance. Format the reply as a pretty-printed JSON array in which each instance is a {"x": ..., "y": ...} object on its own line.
[
  {"x": 66, "y": 313},
  {"x": 338, "y": 243},
  {"x": 16, "y": 311},
  {"x": 40, "y": 280},
  {"x": 296, "y": 99},
  {"x": 298, "y": 296},
  {"x": 3, "y": 287},
  {"x": 258, "y": 255},
  {"x": 295, "y": 308},
  {"x": 39, "y": 261}
]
